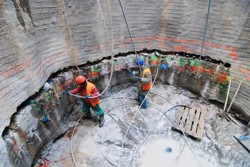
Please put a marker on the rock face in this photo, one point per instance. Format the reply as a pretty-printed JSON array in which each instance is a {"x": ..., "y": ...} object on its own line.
[{"x": 39, "y": 37}]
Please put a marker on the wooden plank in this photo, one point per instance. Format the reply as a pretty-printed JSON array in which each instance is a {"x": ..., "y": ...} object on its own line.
[
  {"x": 244, "y": 140},
  {"x": 181, "y": 115},
  {"x": 202, "y": 120},
  {"x": 189, "y": 126},
  {"x": 196, "y": 120}
]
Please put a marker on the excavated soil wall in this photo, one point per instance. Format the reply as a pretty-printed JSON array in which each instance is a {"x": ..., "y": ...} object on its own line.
[{"x": 39, "y": 37}]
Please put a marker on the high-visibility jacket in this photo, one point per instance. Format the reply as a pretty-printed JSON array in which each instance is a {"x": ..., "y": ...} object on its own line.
[
  {"x": 93, "y": 101},
  {"x": 90, "y": 90},
  {"x": 146, "y": 85}
]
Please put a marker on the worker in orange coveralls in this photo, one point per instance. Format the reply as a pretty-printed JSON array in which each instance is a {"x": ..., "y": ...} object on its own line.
[{"x": 90, "y": 98}]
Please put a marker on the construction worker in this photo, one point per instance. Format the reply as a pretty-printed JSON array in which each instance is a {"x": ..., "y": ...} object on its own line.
[
  {"x": 90, "y": 98},
  {"x": 145, "y": 83}
]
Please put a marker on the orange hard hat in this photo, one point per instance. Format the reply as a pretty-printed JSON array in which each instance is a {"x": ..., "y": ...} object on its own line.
[{"x": 80, "y": 79}]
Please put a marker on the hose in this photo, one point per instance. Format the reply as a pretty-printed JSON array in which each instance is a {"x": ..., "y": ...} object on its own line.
[
  {"x": 123, "y": 142},
  {"x": 112, "y": 69}
]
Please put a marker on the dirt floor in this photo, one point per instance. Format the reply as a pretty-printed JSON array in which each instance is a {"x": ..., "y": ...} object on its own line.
[{"x": 150, "y": 142}]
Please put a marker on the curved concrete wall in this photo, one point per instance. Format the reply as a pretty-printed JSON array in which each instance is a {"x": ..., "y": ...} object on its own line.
[{"x": 41, "y": 37}]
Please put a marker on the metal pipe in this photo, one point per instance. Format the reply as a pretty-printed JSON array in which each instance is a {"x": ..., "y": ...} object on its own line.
[
  {"x": 204, "y": 36},
  {"x": 228, "y": 91},
  {"x": 234, "y": 96}
]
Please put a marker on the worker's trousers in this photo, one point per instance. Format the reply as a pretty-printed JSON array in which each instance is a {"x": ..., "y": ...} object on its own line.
[
  {"x": 86, "y": 109},
  {"x": 142, "y": 100}
]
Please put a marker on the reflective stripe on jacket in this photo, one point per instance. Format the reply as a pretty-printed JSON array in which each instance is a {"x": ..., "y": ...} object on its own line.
[{"x": 146, "y": 85}]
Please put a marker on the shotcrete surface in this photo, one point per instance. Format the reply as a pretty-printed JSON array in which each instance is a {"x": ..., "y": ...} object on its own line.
[{"x": 145, "y": 146}]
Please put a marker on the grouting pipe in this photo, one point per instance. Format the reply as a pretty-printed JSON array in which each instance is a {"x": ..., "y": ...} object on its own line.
[
  {"x": 111, "y": 74},
  {"x": 123, "y": 142},
  {"x": 234, "y": 96},
  {"x": 228, "y": 91},
  {"x": 204, "y": 37},
  {"x": 129, "y": 34},
  {"x": 164, "y": 114}
]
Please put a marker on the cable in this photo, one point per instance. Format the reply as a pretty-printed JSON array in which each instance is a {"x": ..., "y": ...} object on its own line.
[
  {"x": 137, "y": 112},
  {"x": 129, "y": 33},
  {"x": 205, "y": 31}
]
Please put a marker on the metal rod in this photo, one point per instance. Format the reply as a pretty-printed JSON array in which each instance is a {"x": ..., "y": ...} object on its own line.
[
  {"x": 234, "y": 96},
  {"x": 205, "y": 31},
  {"x": 228, "y": 91}
]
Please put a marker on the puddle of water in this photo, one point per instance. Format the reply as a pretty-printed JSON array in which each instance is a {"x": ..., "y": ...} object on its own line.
[{"x": 170, "y": 153}]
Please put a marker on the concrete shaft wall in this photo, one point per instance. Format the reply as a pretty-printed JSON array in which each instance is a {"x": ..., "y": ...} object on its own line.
[{"x": 41, "y": 37}]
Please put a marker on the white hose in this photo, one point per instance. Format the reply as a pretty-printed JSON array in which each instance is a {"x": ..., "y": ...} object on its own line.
[
  {"x": 137, "y": 113},
  {"x": 112, "y": 68}
]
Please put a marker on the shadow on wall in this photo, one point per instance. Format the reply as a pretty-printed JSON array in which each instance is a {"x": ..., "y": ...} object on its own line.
[{"x": 44, "y": 116}]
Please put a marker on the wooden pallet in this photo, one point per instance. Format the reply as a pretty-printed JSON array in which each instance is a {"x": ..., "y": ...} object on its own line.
[{"x": 191, "y": 121}]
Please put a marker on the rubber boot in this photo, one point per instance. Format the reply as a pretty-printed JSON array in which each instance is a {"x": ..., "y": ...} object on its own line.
[
  {"x": 87, "y": 116},
  {"x": 102, "y": 120}
]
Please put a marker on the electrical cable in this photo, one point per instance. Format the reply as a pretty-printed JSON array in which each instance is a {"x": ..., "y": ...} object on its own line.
[
  {"x": 129, "y": 33},
  {"x": 204, "y": 36},
  {"x": 137, "y": 112}
]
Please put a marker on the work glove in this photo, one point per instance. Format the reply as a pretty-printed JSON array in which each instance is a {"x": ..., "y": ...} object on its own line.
[
  {"x": 132, "y": 73},
  {"x": 87, "y": 97},
  {"x": 68, "y": 92}
]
